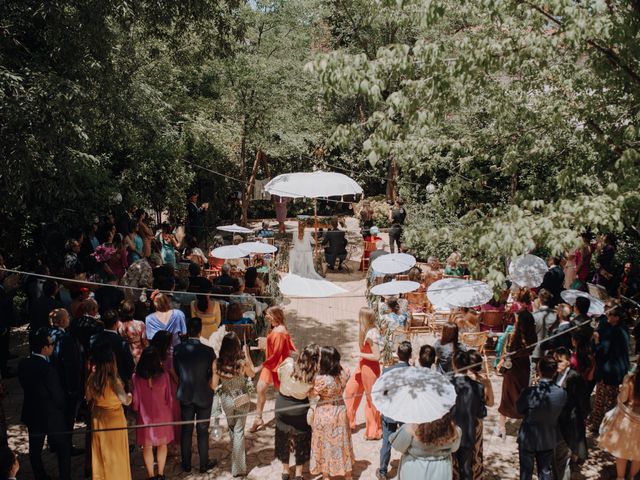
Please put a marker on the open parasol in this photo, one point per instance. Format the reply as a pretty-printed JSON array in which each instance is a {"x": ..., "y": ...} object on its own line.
[
  {"x": 527, "y": 271},
  {"x": 570, "y": 296},
  {"x": 395, "y": 287},
  {"x": 257, "y": 247},
  {"x": 229, "y": 252},
  {"x": 458, "y": 292},
  {"x": 235, "y": 229},
  {"x": 393, "y": 263}
]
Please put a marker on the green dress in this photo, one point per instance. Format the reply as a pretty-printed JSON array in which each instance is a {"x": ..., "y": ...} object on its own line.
[{"x": 423, "y": 461}]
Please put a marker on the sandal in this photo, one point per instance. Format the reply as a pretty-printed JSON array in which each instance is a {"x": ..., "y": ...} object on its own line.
[{"x": 257, "y": 425}]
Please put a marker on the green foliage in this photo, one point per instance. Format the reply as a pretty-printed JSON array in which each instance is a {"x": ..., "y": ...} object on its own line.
[{"x": 524, "y": 118}]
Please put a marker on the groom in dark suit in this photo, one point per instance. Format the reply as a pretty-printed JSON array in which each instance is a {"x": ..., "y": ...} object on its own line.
[
  {"x": 335, "y": 244},
  {"x": 539, "y": 434}
]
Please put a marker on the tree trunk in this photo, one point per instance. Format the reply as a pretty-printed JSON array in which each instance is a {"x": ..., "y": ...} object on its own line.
[
  {"x": 248, "y": 192},
  {"x": 391, "y": 181}
]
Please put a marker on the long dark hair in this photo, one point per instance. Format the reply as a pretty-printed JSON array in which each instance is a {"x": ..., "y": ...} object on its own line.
[
  {"x": 202, "y": 302},
  {"x": 582, "y": 345},
  {"x": 438, "y": 432},
  {"x": 306, "y": 366},
  {"x": 250, "y": 277},
  {"x": 150, "y": 364},
  {"x": 231, "y": 357},
  {"x": 524, "y": 334},
  {"x": 329, "y": 362},
  {"x": 162, "y": 342},
  {"x": 105, "y": 372},
  {"x": 450, "y": 334}
]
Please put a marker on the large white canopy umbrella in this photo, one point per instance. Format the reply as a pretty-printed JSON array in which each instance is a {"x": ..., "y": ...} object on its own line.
[
  {"x": 413, "y": 395},
  {"x": 235, "y": 229},
  {"x": 395, "y": 287},
  {"x": 458, "y": 292},
  {"x": 393, "y": 263},
  {"x": 527, "y": 271},
  {"x": 312, "y": 185},
  {"x": 229, "y": 252},
  {"x": 257, "y": 247},
  {"x": 595, "y": 308},
  {"x": 293, "y": 285}
]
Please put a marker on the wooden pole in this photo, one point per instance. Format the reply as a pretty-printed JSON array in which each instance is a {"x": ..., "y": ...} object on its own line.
[
  {"x": 315, "y": 226},
  {"x": 249, "y": 190}
]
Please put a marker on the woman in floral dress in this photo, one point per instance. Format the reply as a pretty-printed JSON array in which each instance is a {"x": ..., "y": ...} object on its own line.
[
  {"x": 331, "y": 448},
  {"x": 134, "y": 332}
]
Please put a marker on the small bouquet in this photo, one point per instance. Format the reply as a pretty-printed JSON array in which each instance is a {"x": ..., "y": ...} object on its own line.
[{"x": 103, "y": 253}]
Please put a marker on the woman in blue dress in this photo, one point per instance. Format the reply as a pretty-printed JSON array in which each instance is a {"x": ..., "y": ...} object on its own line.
[
  {"x": 426, "y": 449},
  {"x": 165, "y": 318}
]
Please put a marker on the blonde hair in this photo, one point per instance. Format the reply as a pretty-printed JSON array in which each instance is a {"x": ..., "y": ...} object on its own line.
[
  {"x": 277, "y": 314},
  {"x": 367, "y": 321},
  {"x": 161, "y": 302},
  {"x": 454, "y": 259}
]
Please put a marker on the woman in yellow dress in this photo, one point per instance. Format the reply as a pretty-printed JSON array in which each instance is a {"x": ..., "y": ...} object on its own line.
[{"x": 105, "y": 394}]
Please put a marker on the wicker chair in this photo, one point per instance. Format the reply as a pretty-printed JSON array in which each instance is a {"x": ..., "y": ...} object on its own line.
[
  {"x": 492, "y": 320},
  {"x": 477, "y": 341}
]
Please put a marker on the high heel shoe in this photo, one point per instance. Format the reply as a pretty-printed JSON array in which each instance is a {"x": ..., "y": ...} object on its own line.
[{"x": 257, "y": 425}]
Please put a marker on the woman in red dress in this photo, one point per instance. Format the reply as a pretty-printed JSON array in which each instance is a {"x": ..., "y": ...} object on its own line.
[{"x": 278, "y": 348}]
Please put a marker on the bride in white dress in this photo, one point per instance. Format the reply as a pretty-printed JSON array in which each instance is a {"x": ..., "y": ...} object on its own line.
[
  {"x": 303, "y": 280},
  {"x": 301, "y": 256}
]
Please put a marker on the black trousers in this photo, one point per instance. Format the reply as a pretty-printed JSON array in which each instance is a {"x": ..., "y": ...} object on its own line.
[
  {"x": 394, "y": 238},
  {"x": 543, "y": 460},
  {"x": 70, "y": 410},
  {"x": 63, "y": 451},
  {"x": 189, "y": 412}
]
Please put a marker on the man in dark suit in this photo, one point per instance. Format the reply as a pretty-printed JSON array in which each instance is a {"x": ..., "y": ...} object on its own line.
[
  {"x": 468, "y": 411},
  {"x": 225, "y": 279},
  {"x": 39, "y": 315},
  {"x": 43, "y": 406},
  {"x": 389, "y": 425},
  {"x": 109, "y": 296},
  {"x": 193, "y": 363},
  {"x": 66, "y": 360},
  {"x": 195, "y": 217},
  {"x": 573, "y": 437},
  {"x": 539, "y": 435},
  {"x": 197, "y": 283},
  {"x": 109, "y": 336},
  {"x": 335, "y": 244},
  {"x": 553, "y": 280}
]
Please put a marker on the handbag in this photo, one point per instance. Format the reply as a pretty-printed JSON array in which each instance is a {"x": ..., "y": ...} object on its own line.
[
  {"x": 311, "y": 414},
  {"x": 505, "y": 362}
]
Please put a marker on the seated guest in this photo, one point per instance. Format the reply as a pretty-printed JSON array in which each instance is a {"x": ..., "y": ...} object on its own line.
[
  {"x": 415, "y": 275},
  {"x": 426, "y": 356},
  {"x": 370, "y": 240},
  {"x": 252, "y": 281},
  {"x": 264, "y": 231},
  {"x": 197, "y": 283},
  {"x": 192, "y": 252},
  {"x": 395, "y": 318},
  {"x": 250, "y": 306},
  {"x": 453, "y": 267},
  {"x": 432, "y": 271},
  {"x": 446, "y": 347},
  {"x": 225, "y": 279},
  {"x": 467, "y": 320},
  {"x": 237, "y": 263},
  {"x": 468, "y": 412},
  {"x": 335, "y": 243}
]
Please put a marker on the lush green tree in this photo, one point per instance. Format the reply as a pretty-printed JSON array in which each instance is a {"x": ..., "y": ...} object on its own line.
[{"x": 523, "y": 118}]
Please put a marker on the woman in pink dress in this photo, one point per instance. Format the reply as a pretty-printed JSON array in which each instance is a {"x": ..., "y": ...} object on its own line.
[
  {"x": 134, "y": 332},
  {"x": 152, "y": 401},
  {"x": 331, "y": 447},
  {"x": 162, "y": 342}
]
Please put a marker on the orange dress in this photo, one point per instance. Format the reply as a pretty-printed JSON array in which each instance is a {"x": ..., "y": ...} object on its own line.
[
  {"x": 279, "y": 348},
  {"x": 110, "y": 449},
  {"x": 361, "y": 382}
]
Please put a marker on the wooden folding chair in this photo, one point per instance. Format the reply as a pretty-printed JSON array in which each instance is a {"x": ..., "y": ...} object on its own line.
[
  {"x": 437, "y": 321},
  {"x": 364, "y": 262},
  {"x": 477, "y": 341}
]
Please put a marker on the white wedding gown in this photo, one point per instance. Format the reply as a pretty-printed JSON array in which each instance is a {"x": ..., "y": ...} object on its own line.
[{"x": 302, "y": 279}]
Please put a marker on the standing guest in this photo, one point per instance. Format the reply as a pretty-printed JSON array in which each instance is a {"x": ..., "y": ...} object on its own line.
[
  {"x": 365, "y": 376},
  {"x": 39, "y": 313},
  {"x": 118, "y": 262},
  {"x": 446, "y": 347},
  {"x": 560, "y": 330},
  {"x": 278, "y": 347},
  {"x": 264, "y": 231},
  {"x": 553, "y": 280},
  {"x": 605, "y": 264},
  {"x": 123, "y": 222},
  {"x": 165, "y": 318},
  {"x": 9, "y": 464},
  {"x": 620, "y": 434},
  {"x": 208, "y": 310},
  {"x": 72, "y": 264},
  {"x": 572, "y": 446},
  {"x": 583, "y": 262},
  {"x": 109, "y": 296},
  {"x": 427, "y": 449},
  {"x": 366, "y": 219},
  {"x": 583, "y": 360},
  {"x": 195, "y": 217},
  {"x": 144, "y": 231},
  {"x": 230, "y": 372},
  {"x": 389, "y": 425},
  {"x": 67, "y": 361},
  {"x": 43, "y": 405},
  {"x": 397, "y": 216},
  {"x": 169, "y": 244},
  {"x": 153, "y": 402},
  {"x": 120, "y": 348},
  {"x": 468, "y": 413},
  {"x": 467, "y": 320},
  {"x": 280, "y": 205},
  {"x": 570, "y": 269},
  {"x": 516, "y": 378},
  {"x": 612, "y": 364},
  {"x": 426, "y": 356},
  {"x": 134, "y": 332},
  {"x": 106, "y": 395},
  {"x": 134, "y": 243},
  {"x": 629, "y": 285},
  {"x": 335, "y": 243},
  {"x": 521, "y": 300},
  {"x": 162, "y": 342},
  {"x": 331, "y": 448},
  {"x": 293, "y": 432},
  {"x": 475, "y": 373},
  {"x": 544, "y": 318},
  {"x": 252, "y": 281},
  {"x": 193, "y": 363},
  {"x": 541, "y": 406},
  {"x": 85, "y": 326}
]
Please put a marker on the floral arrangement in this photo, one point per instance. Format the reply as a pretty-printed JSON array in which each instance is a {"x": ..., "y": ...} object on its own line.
[{"x": 103, "y": 253}]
